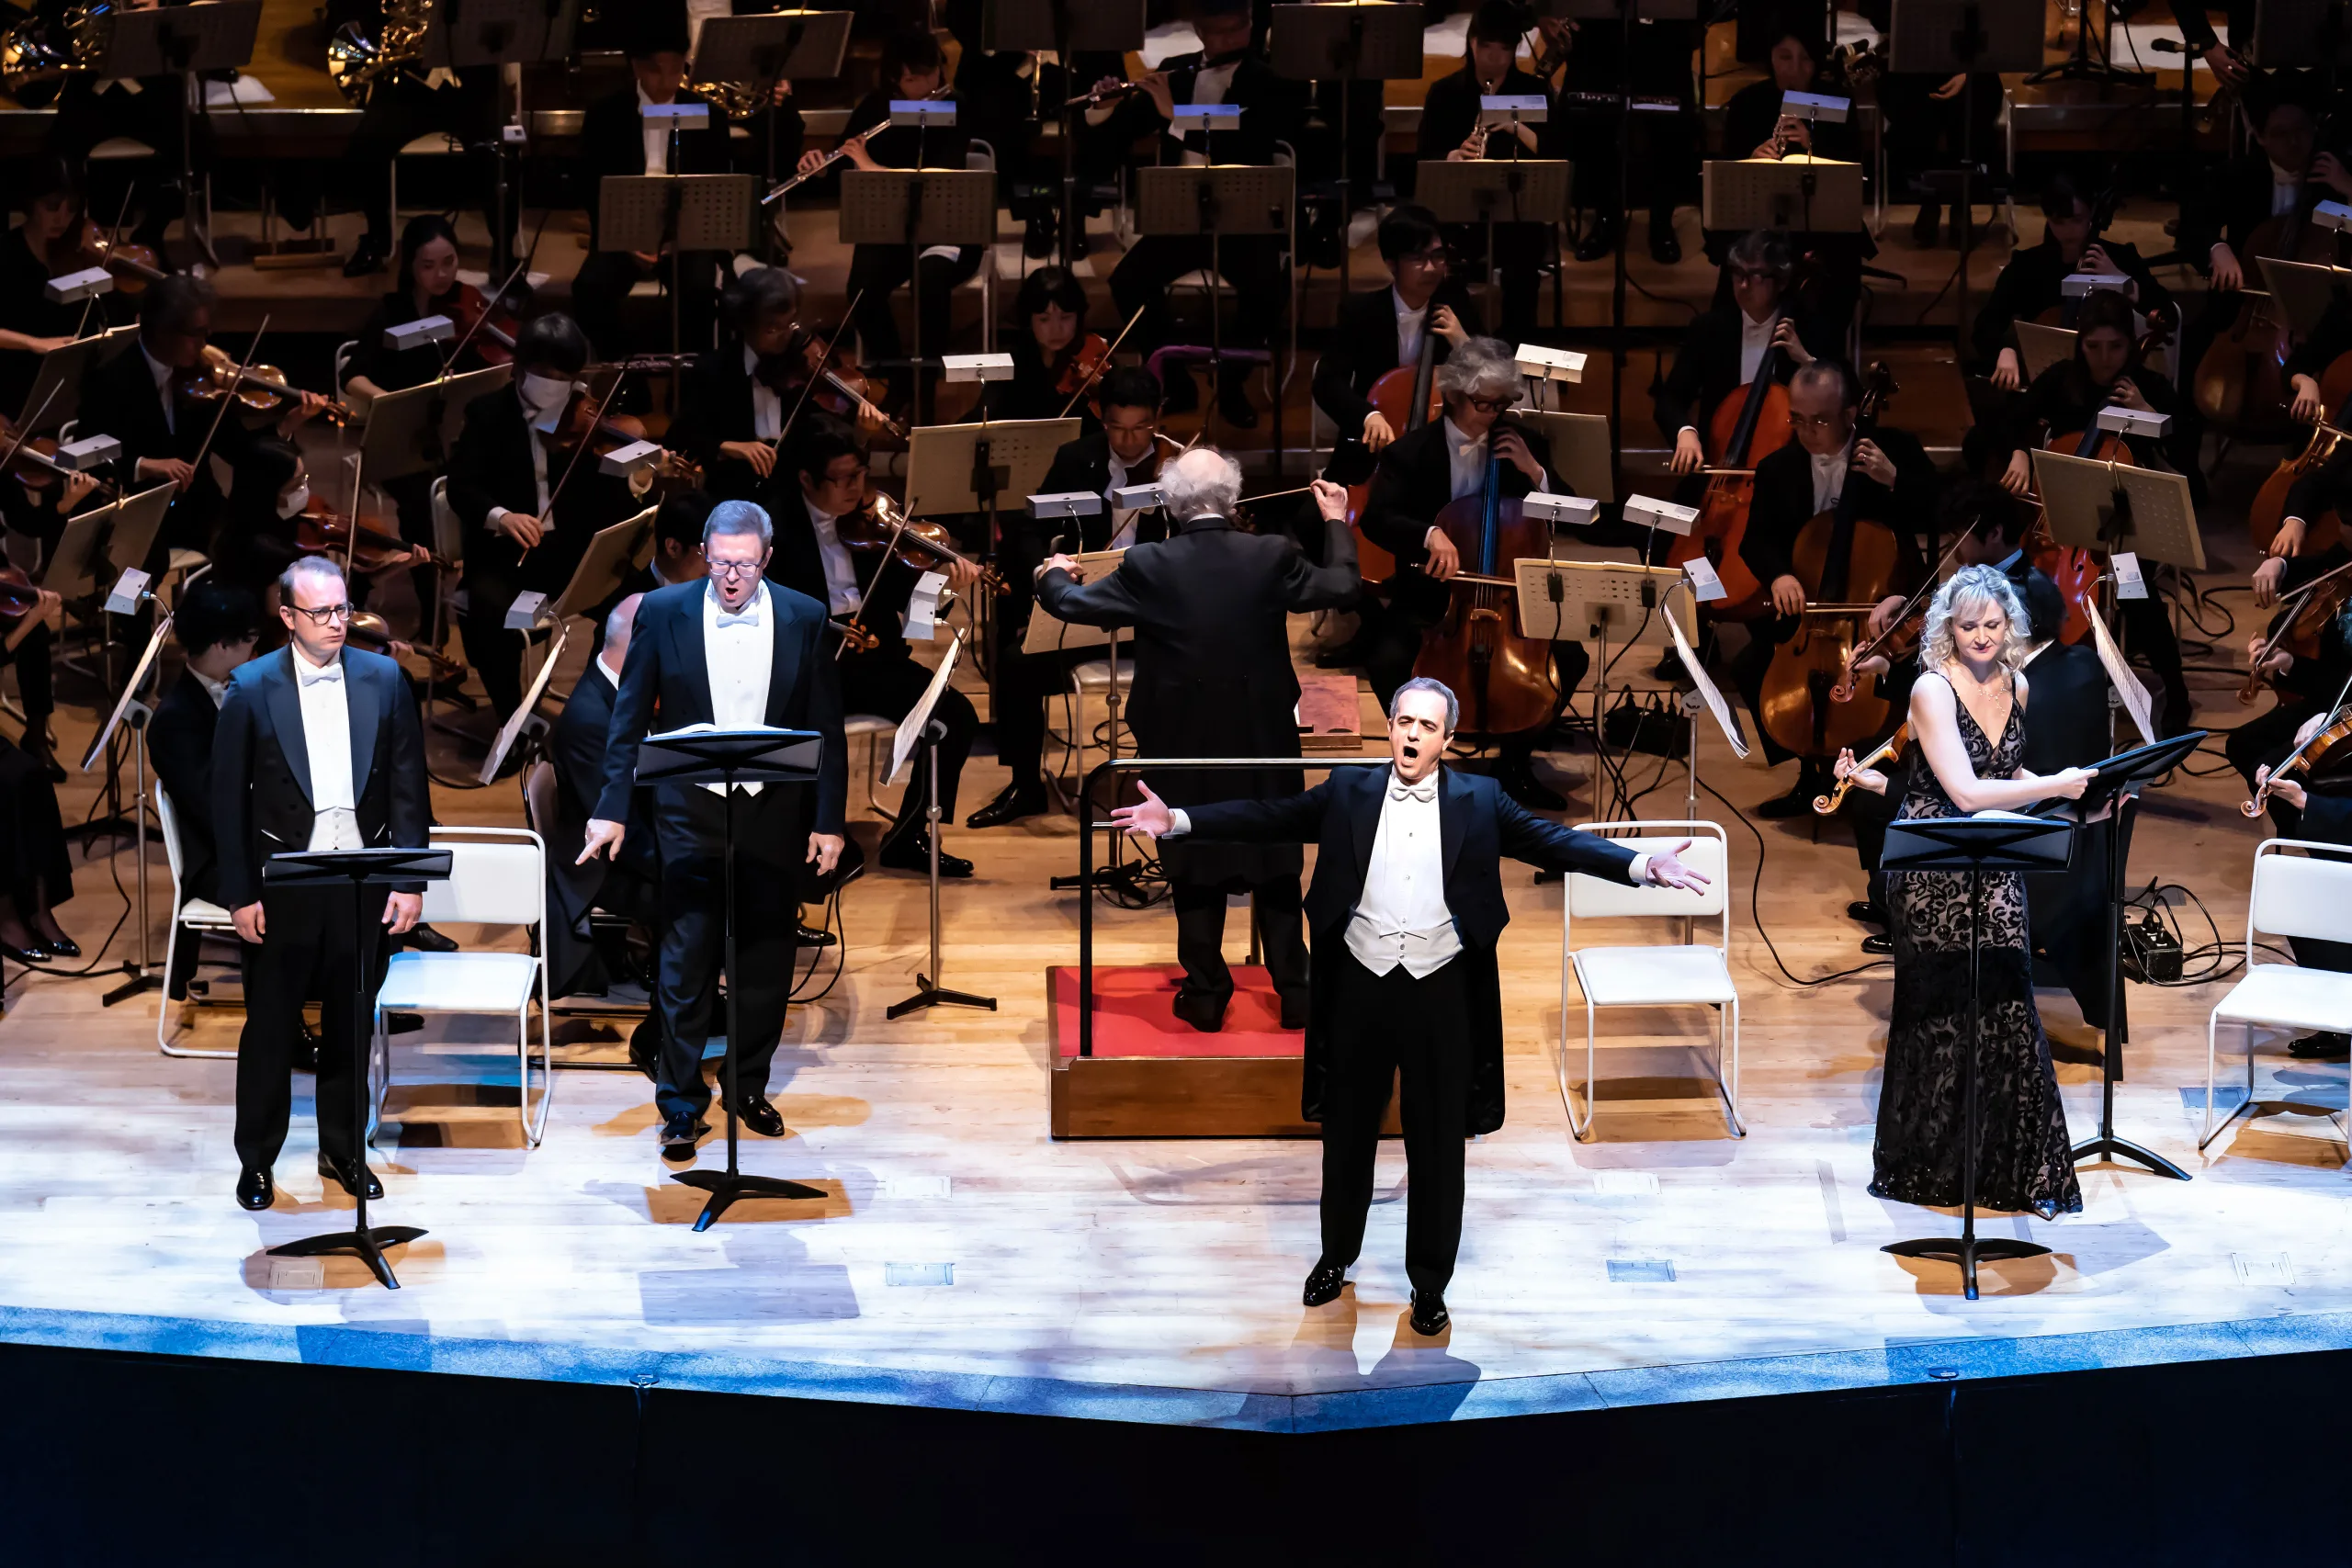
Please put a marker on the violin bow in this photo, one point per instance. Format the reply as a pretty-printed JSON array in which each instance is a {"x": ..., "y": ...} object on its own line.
[
  {"x": 1095, "y": 373},
  {"x": 91, "y": 302},
  {"x": 810, "y": 386},
  {"x": 2290, "y": 604},
  {"x": 1912, "y": 605},
  {"x": 2262, "y": 792},
  {"x": 569, "y": 468},
  {"x": 489, "y": 304}
]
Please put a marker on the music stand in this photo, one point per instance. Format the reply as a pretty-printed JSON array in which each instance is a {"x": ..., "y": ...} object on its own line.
[
  {"x": 1527, "y": 190},
  {"x": 137, "y": 519},
  {"x": 919, "y": 729},
  {"x": 729, "y": 757},
  {"x": 676, "y": 215},
  {"x": 413, "y": 431},
  {"x": 358, "y": 870},
  {"x": 2116, "y": 506},
  {"x": 1213, "y": 202},
  {"x": 779, "y": 46},
  {"x": 957, "y": 469},
  {"x": 1975, "y": 845},
  {"x": 2040, "y": 347},
  {"x": 131, "y": 714},
  {"x": 2298, "y": 34},
  {"x": 1351, "y": 42},
  {"x": 1567, "y": 600},
  {"x": 56, "y": 391},
  {"x": 617, "y": 550},
  {"x": 1965, "y": 37},
  {"x": 185, "y": 41},
  {"x": 1800, "y": 194}
]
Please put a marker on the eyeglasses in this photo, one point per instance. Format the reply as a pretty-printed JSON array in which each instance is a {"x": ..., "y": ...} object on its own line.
[
  {"x": 323, "y": 613},
  {"x": 733, "y": 569},
  {"x": 1489, "y": 405},
  {"x": 1433, "y": 256},
  {"x": 1817, "y": 421}
]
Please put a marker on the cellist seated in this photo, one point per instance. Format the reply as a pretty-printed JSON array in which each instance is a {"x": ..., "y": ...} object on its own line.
[
  {"x": 1723, "y": 346},
  {"x": 1381, "y": 329},
  {"x": 1883, "y": 477},
  {"x": 2034, "y": 280},
  {"x": 1420, "y": 474}
]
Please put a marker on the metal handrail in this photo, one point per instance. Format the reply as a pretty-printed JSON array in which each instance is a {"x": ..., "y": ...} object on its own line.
[{"x": 1086, "y": 848}]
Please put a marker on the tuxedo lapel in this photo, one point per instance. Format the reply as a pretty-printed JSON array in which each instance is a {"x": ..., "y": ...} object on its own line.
[
  {"x": 782, "y": 663},
  {"x": 1453, "y": 804},
  {"x": 286, "y": 718},
  {"x": 695, "y": 657},
  {"x": 364, "y": 705},
  {"x": 1370, "y": 786}
]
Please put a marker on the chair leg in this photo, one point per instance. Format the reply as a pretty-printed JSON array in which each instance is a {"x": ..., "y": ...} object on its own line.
[
  {"x": 1727, "y": 1057},
  {"x": 163, "y": 1004},
  {"x": 1583, "y": 1131}
]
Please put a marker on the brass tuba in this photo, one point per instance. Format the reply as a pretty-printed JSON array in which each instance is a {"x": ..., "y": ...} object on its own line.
[
  {"x": 354, "y": 60},
  {"x": 32, "y": 53}
]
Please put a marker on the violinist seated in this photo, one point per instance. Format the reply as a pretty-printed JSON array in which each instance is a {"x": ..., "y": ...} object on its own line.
[
  {"x": 582, "y": 956},
  {"x": 1380, "y": 330},
  {"x": 1125, "y": 451},
  {"x": 616, "y": 139},
  {"x": 1419, "y": 473},
  {"x": 47, "y": 244},
  {"x": 528, "y": 495},
  {"x": 1053, "y": 358},
  {"x": 2061, "y": 408},
  {"x": 1723, "y": 346},
  {"x": 1450, "y": 132},
  {"x": 869, "y": 588},
  {"x": 2305, "y": 683},
  {"x": 1227, "y": 70},
  {"x": 1883, "y": 477},
  {"x": 35, "y": 501},
  {"x": 161, "y": 403},
  {"x": 2314, "y": 804},
  {"x": 90, "y": 110},
  {"x": 219, "y": 626},
  {"x": 2032, "y": 283},
  {"x": 912, "y": 67}
]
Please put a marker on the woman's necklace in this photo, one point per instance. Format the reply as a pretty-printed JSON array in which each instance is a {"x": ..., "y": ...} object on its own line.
[{"x": 1974, "y": 697}]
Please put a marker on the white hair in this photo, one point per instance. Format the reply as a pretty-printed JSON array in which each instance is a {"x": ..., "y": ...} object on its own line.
[
  {"x": 1481, "y": 367},
  {"x": 1966, "y": 589},
  {"x": 1203, "y": 482}
]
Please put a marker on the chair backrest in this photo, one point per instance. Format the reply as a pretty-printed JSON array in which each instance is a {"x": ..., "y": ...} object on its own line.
[
  {"x": 168, "y": 820},
  {"x": 343, "y": 352},
  {"x": 2298, "y": 894},
  {"x": 448, "y": 538},
  {"x": 497, "y": 877},
  {"x": 1591, "y": 898},
  {"x": 980, "y": 155}
]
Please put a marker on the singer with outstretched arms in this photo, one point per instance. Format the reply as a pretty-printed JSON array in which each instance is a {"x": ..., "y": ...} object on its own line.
[{"x": 1405, "y": 911}]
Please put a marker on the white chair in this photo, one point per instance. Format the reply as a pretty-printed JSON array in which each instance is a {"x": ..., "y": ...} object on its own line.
[
  {"x": 2293, "y": 895},
  {"x": 1687, "y": 974},
  {"x": 497, "y": 877},
  {"x": 872, "y": 727},
  {"x": 1092, "y": 678},
  {"x": 201, "y": 917}
]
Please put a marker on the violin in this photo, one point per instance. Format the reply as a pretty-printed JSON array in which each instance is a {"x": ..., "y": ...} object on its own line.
[
  {"x": 1082, "y": 362},
  {"x": 1750, "y": 423},
  {"x": 1504, "y": 679},
  {"x": 584, "y": 426},
  {"x": 2299, "y": 625},
  {"x": 490, "y": 328},
  {"x": 34, "y": 463},
  {"x": 369, "y": 630},
  {"x": 318, "y": 529},
  {"x": 1827, "y": 804},
  {"x": 1901, "y": 635},
  {"x": 880, "y": 526},
  {"x": 261, "y": 387},
  {"x": 134, "y": 266},
  {"x": 2325, "y": 758},
  {"x": 1848, "y": 565},
  {"x": 828, "y": 355}
]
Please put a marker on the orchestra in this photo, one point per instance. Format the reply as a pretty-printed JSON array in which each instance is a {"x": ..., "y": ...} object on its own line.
[{"x": 760, "y": 416}]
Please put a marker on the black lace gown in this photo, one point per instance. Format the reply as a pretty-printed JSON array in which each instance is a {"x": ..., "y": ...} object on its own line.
[{"x": 2023, "y": 1158}]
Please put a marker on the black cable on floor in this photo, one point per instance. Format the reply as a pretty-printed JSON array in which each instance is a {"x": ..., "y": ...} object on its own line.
[{"x": 1756, "y": 906}]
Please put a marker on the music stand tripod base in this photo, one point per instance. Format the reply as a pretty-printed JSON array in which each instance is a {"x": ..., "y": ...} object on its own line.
[
  {"x": 367, "y": 1245},
  {"x": 726, "y": 1186},
  {"x": 1967, "y": 1251}
]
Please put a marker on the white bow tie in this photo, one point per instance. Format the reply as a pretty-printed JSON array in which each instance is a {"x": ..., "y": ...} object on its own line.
[
  {"x": 1424, "y": 791},
  {"x": 311, "y": 676},
  {"x": 748, "y": 616}
]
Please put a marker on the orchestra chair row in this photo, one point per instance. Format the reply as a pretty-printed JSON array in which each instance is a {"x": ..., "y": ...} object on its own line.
[
  {"x": 2294, "y": 895},
  {"x": 1686, "y": 973}
]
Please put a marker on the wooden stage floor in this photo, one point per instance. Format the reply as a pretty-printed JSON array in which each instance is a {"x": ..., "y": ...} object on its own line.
[{"x": 962, "y": 1258}]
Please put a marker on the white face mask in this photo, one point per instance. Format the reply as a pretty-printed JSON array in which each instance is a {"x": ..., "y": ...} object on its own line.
[
  {"x": 544, "y": 397},
  {"x": 291, "y": 503}
]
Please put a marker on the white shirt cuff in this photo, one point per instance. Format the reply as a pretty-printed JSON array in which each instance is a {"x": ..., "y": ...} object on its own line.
[
  {"x": 1640, "y": 870},
  {"x": 1179, "y": 824},
  {"x": 489, "y": 518},
  {"x": 1692, "y": 429},
  {"x": 1432, "y": 533}
]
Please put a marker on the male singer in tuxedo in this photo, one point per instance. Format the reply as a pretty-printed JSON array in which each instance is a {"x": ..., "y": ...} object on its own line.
[
  {"x": 217, "y": 625},
  {"x": 318, "y": 747},
  {"x": 1407, "y": 906},
  {"x": 739, "y": 652}
]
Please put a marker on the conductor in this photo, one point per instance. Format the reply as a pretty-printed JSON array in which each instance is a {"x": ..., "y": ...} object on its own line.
[
  {"x": 739, "y": 652},
  {"x": 1406, "y": 908}
]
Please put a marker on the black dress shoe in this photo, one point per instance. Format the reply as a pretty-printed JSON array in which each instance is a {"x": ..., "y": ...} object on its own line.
[
  {"x": 1799, "y": 800},
  {"x": 1878, "y": 944},
  {"x": 1206, "y": 1013},
  {"x": 1012, "y": 803},
  {"x": 1870, "y": 914},
  {"x": 255, "y": 1191},
  {"x": 754, "y": 1112},
  {"x": 366, "y": 257},
  {"x": 1430, "y": 1317},
  {"x": 36, "y": 954},
  {"x": 678, "y": 1135},
  {"x": 911, "y": 851},
  {"x": 425, "y": 939},
  {"x": 349, "y": 1174},
  {"x": 2320, "y": 1047},
  {"x": 1665, "y": 248},
  {"x": 1522, "y": 784},
  {"x": 1325, "y": 1284},
  {"x": 1295, "y": 1012},
  {"x": 809, "y": 936},
  {"x": 1599, "y": 242}
]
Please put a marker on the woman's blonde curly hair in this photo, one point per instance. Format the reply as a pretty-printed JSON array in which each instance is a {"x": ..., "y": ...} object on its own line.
[{"x": 1970, "y": 586}]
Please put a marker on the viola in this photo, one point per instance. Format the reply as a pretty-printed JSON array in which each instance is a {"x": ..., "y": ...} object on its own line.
[
  {"x": 1827, "y": 804},
  {"x": 1080, "y": 363},
  {"x": 1848, "y": 565},
  {"x": 34, "y": 463},
  {"x": 318, "y": 529},
  {"x": 1750, "y": 423},
  {"x": 585, "y": 427},
  {"x": 2325, "y": 758},
  {"x": 261, "y": 387},
  {"x": 134, "y": 266},
  {"x": 827, "y": 355},
  {"x": 1504, "y": 680},
  {"x": 880, "y": 526}
]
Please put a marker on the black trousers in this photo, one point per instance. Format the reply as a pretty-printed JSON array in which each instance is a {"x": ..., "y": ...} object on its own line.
[
  {"x": 1020, "y": 687},
  {"x": 601, "y": 289},
  {"x": 399, "y": 111},
  {"x": 309, "y": 948},
  {"x": 1251, "y": 264},
  {"x": 1417, "y": 1031},
  {"x": 1200, "y": 937},
  {"x": 890, "y": 684},
  {"x": 879, "y": 271},
  {"x": 36, "y": 867},
  {"x": 36, "y": 679},
  {"x": 771, "y": 842}
]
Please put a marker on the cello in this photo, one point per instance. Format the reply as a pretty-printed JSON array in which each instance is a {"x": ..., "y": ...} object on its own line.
[
  {"x": 1504, "y": 679},
  {"x": 2240, "y": 381},
  {"x": 2270, "y": 508},
  {"x": 1407, "y": 400},
  {"x": 1848, "y": 565},
  {"x": 1749, "y": 424}
]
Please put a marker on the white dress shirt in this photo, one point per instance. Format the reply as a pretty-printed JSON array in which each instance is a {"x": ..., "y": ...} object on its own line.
[
  {"x": 657, "y": 137},
  {"x": 326, "y": 741},
  {"x": 1209, "y": 87},
  {"x": 739, "y": 650},
  {"x": 767, "y": 409},
  {"x": 2286, "y": 190},
  {"x": 1122, "y": 518},
  {"x": 1412, "y": 327},
  {"x": 163, "y": 374},
  {"x": 1466, "y": 456},
  {"x": 1755, "y": 337},
  {"x": 217, "y": 689},
  {"x": 606, "y": 668},
  {"x": 1829, "y": 474},
  {"x": 843, "y": 596}
]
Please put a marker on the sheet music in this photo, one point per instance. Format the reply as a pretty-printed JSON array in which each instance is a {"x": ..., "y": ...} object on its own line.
[
  {"x": 2135, "y": 696},
  {"x": 1726, "y": 720}
]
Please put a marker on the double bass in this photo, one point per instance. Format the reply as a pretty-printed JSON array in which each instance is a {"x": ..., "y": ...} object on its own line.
[
  {"x": 1749, "y": 424},
  {"x": 1848, "y": 565},
  {"x": 1503, "y": 679}
]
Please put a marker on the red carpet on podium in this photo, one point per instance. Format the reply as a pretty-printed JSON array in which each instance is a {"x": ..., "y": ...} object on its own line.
[{"x": 1132, "y": 1015}]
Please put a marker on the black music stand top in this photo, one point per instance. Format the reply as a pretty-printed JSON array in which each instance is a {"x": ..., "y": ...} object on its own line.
[
  {"x": 2127, "y": 771},
  {"x": 685, "y": 212},
  {"x": 1936, "y": 35},
  {"x": 321, "y": 868},
  {"x": 169, "y": 41},
  {"x": 798, "y": 46},
  {"x": 499, "y": 32},
  {"x": 2005, "y": 843},
  {"x": 1030, "y": 27},
  {"x": 1372, "y": 42},
  {"x": 729, "y": 756}
]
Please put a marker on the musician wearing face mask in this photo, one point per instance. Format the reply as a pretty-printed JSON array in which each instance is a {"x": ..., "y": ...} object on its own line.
[
  {"x": 1883, "y": 477},
  {"x": 870, "y": 590},
  {"x": 1380, "y": 330},
  {"x": 1723, "y": 346},
  {"x": 1419, "y": 473},
  {"x": 527, "y": 499},
  {"x": 2033, "y": 281},
  {"x": 1127, "y": 450}
]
